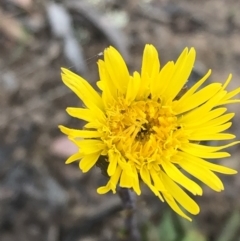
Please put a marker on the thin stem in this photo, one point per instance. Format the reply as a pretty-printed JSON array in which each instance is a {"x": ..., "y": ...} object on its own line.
[{"x": 128, "y": 201}]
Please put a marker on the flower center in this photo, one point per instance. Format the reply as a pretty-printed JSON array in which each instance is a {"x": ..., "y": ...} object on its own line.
[{"x": 144, "y": 131}]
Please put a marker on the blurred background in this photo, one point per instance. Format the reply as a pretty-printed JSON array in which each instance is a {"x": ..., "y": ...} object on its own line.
[{"x": 41, "y": 198}]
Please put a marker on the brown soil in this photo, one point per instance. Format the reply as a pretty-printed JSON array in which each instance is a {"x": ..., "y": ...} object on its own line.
[{"x": 43, "y": 199}]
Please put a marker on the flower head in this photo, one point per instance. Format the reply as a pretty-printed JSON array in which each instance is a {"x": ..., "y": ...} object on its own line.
[{"x": 147, "y": 130}]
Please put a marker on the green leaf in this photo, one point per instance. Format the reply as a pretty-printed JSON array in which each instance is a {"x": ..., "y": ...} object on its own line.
[
  {"x": 167, "y": 230},
  {"x": 231, "y": 227},
  {"x": 194, "y": 235}
]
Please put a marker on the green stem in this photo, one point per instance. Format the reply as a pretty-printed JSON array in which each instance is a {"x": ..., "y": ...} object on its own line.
[{"x": 128, "y": 201}]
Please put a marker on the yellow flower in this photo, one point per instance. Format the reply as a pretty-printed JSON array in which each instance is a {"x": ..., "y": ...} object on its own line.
[{"x": 148, "y": 131}]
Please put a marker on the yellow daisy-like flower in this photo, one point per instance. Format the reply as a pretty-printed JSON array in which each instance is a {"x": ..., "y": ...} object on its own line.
[{"x": 148, "y": 131}]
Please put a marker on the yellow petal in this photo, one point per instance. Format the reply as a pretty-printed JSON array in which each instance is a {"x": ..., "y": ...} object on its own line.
[
  {"x": 162, "y": 81},
  {"x": 90, "y": 146},
  {"x": 133, "y": 87},
  {"x": 227, "y": 81},
  {"x": 192, "y": 90},
  {"x": 171, "y": 202},
  {"x": 112, "y": 183},
  {"x": 204, "y": 109},
  {"x": 145, "y": 175},
  {"x": 197, "y": 99},
  {"x": 89, "y": 161},
  {"x": 117, "y": 69},
  {"x": 193, "y": 148},
  {"x": 74, "y": 157},
  {"x": 203, "y": 174},
  {"x": 215, "y": 122},
  {"x": 206, "y": 151},
  {"x": 180, "y": 196},
  {"x": 150, "y": 62},
  {"x": 196, "y": 121},
  {"x": 125, "y": 180},
  {"x": 157, "y": 181},
  {"x": 181, "y": 179},
  {"x": 211, "y": 166},
  {"x": 207, "y": 131},
  {"x": 182, "y": 70},
  {"x": 208, "y": 155},
  {"x": 113, "y": 158},
  {"x": 135, "y": 184},
  {"x": 209, "y": 137},
  {"x": 106, "y": 83},
  {"x": 229, "y": 102},
  {"x": 79, "y": 133},
  {"x": 82, "y": 89},
  {"x": 150, "y": 69},
  {"x": 228, "y": 96},
  {"x": 81, "y": 113},
  {"x": 104, "y": 189}
]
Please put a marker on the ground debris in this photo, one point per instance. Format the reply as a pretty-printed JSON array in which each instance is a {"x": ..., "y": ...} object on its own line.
[{"x": 43, "y": 199}]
